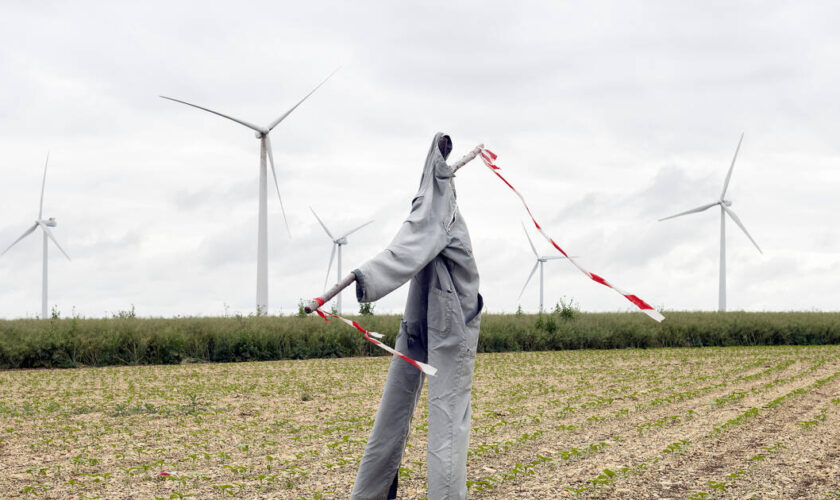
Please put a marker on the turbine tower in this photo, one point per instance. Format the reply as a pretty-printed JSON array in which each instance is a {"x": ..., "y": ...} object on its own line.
[
  {"x": 724, "y": 211},
  {"x": 45, "y": 225},
  {"x": 541, "y": 260},
  {"x": 262, "y": 133},
  {"x": 337, "y": 244}
]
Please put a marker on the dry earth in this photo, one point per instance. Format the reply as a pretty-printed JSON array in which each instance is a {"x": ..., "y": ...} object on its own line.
[{"x": 663, "y": 423}]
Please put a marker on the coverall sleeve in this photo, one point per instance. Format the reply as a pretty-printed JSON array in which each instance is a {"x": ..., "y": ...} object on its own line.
[{"x": 420, "y": 239}]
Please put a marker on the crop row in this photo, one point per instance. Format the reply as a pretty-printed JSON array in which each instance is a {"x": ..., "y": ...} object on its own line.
[
  {"x": 673, "y": 419},
  {"x": 608, "y": 477}
]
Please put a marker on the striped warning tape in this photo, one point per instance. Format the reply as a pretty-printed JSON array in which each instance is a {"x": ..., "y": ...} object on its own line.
[
  {"x": 489, "y": 159},
  {"x": 373, "y": 338}
]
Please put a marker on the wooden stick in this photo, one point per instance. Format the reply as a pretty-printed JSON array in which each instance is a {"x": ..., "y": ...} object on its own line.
[
  {"x": 329, "y": 294},
  {"x": 467, "y": 158}
]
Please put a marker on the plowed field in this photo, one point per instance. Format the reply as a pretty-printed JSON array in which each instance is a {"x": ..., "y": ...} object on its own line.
[{"x": 660, "y": 423}]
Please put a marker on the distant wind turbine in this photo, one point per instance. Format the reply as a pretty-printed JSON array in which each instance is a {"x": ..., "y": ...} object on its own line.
[
  {"x": 45, "y": 225},
  {"x": 724, "y": 211},
  {"x": 541, "y": 260},
  {"x": 337, "y": 244},
  {"x": 265, "y": 149}
]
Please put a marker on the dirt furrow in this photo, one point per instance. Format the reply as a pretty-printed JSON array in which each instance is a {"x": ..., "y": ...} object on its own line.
[{"x": 802, "y": 462}]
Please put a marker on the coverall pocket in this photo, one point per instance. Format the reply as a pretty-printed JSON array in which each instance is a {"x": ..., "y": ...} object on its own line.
[
  {"x": 440, "y": 310},
  {"x": 415, "y": 339}
]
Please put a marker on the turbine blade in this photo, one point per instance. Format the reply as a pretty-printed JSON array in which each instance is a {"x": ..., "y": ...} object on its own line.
[
  {"x": 276, "y": 186},
  {"x": 533, "y": 270},
  {"x": 287, "y": 113},
  {"x": 693, "y": 210},
  {"x": 354, "y": 230},
  {"x": 50, "y": 236},
  {"x": 24, "y": 235},
  {"x": 43, "y": 183},
  {"x": 729, "y": 174},
  {"x": 741, "y": 225},
  {"x": 533, "y": 248},
  {"x": 237, "y": 120},
  {"x": 322, "y": 225},
  {"x": 329, "y": 267}
]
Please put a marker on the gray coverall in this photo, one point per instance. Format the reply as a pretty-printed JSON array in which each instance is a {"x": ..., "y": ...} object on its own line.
[{"x": 440, "y": 327}]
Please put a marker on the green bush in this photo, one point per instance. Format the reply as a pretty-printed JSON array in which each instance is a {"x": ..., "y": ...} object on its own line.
[{"x": 127, "y": 340}]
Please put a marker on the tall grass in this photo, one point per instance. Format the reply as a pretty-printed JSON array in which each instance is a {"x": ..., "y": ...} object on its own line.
[{"x": 130, "y": 341}]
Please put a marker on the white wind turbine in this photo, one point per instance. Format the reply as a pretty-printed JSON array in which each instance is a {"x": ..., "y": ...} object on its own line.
[
  {"x": 337, "y": 244},
  {"x": 724, "y": 211},
  {"x": 45, "y": 225},
  {"x": 541, "y": 260},
  {"x": 262, "y": 225}
]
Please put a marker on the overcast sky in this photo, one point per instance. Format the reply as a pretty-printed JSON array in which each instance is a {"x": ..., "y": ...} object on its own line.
[{"x": 605, "y": 115}]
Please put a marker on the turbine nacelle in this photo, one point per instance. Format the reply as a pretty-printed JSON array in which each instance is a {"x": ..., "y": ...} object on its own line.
[
  {"x": 546, "y": 258},
  {"x": 49, "y": 222},
  {"x": 726, "y": 203},
  {"x": 341, "y": 241}
]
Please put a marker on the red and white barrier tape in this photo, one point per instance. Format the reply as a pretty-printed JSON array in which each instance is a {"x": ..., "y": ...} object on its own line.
[
  {"x": 489, "y": 159},
  {"x": 373, "y": 338}
]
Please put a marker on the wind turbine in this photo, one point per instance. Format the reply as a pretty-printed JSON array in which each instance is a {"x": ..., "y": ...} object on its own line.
[
  {"x": 724, "y": 211},
  {"x": 45, "y": 225},
  {"x": 541, "y": 260},
  {"x": 262, "y": 225},
  {"x": 337, "y": 244}
]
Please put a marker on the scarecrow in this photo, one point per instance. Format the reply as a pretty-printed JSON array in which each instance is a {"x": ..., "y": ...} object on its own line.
[
  {"x": 438, "y": 333},
  {"x": 440, "y": 327}
]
